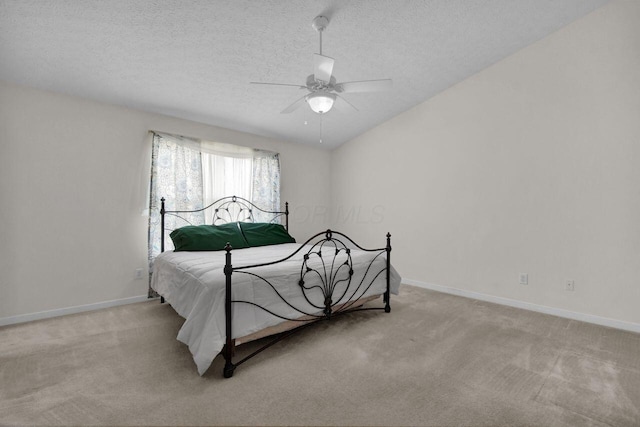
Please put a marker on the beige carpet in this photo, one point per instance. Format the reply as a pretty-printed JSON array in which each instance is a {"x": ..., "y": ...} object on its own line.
[{"x": 436, "y": 359}]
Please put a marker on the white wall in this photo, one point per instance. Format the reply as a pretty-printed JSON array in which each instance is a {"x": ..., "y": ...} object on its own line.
[
  {"x": 74, "y": 178},
  {"x": 532, "y": 165}
]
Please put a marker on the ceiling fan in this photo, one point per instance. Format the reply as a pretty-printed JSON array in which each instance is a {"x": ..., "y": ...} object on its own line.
[{"x": 322, "y": 86}]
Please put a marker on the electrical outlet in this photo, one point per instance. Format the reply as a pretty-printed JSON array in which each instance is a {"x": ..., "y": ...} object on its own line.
[
  {"x": 570, "y": 285},
  {"x": 524, "y": 279},
  {"x": 139, "y": 273}
]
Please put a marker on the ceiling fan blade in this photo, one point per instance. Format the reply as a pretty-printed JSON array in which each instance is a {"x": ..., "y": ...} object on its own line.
[
  {"x": 294, "y": 106},
  {"x": 322, "y": 67},
  {"x": 277, "y": 84},
  {"x": 364, "y": 86},
  {"x": 345, "y": 105}
]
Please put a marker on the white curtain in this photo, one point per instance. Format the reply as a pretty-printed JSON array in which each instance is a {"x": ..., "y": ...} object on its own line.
[
  {"x": 230, "y": 170},
  {"x": 227, "y": 170}
]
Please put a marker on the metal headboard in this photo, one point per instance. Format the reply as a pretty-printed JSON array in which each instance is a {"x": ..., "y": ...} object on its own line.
[{"x": 225, "y": 210}]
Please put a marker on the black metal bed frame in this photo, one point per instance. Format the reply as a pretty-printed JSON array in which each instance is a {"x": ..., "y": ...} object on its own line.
[{"x": 330, "y": 276}]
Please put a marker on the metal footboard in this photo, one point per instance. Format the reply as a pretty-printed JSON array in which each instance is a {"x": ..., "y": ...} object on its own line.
[{"x": 338, "y": 272}]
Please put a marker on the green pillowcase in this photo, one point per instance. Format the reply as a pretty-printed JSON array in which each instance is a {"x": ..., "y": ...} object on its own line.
[
  {"x": 263, "y": 234},
  {"x": 208, "y": 237}
]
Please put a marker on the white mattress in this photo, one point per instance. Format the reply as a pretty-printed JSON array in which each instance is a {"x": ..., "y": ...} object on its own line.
[{"x": 194, "y": 284}]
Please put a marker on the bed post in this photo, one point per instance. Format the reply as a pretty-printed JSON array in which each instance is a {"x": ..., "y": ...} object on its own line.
[
  {"x": 162, "y": 211},
  {"x": 387, "y": 295},
  {"x": 286, "y": 215},
  {"x": 229, "y": 346}
]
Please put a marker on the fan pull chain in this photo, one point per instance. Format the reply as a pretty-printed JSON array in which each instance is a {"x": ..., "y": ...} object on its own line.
[{"x": 321, "y": 129}]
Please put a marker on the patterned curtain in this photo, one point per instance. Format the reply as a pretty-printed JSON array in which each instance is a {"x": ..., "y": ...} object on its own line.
[
  {"x": 266, "y": 183},
  {"x": 176, "y": 175}
]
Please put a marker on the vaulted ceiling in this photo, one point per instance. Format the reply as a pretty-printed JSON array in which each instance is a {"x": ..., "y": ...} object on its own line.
[{"x": 194, "y": 59}]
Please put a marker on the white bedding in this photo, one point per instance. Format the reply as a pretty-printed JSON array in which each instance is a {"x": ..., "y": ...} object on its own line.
[{"x": 194, "y": 284}]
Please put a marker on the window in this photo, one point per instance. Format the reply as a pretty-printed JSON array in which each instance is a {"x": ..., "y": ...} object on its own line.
[{"x": 191, "y": 174}]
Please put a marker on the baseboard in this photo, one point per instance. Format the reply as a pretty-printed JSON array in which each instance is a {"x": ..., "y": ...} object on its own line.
[
  {"x": 583, "y": 317},
  {"x": 4, "y": 321}
]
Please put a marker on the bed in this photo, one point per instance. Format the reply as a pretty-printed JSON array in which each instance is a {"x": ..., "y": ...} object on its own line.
[{"x": 232, "y": 296}]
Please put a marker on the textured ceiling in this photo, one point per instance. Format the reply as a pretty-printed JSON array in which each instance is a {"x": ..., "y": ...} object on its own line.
[{"x": 195, "y": 59}]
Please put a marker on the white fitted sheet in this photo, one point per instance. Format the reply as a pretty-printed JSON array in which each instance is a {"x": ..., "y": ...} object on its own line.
[{"x": 194, "y": 284}]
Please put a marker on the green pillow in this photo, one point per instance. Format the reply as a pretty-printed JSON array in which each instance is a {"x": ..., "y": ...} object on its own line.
[
  {"x": 263, "y": 234},
  {"x": 208, "y": 237}
]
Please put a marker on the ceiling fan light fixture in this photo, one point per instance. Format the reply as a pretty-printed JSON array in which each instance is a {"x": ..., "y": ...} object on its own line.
[{"x": 321, "y": 102}]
